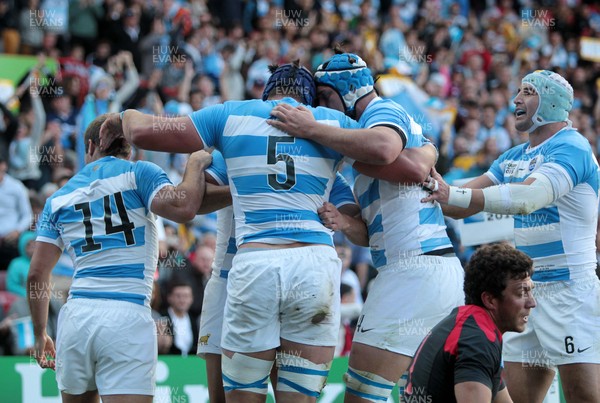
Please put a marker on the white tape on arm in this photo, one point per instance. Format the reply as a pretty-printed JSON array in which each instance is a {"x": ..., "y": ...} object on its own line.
[
  {"x": 519, "y": 199},
  {"x": 459, "y": 197}
]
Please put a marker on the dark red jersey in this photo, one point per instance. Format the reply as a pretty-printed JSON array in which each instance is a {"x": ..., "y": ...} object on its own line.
[{"x": 466, "y": 346}]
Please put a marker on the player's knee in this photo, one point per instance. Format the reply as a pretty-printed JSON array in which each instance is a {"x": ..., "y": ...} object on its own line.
[
  {"x": 245, "y": 373},
  {"x": 369, "y": 386},
  {"x": 299, "y": 375}
]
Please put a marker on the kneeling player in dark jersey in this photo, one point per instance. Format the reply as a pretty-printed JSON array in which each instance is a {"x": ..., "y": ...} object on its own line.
[{"x": 460, "y": 360}]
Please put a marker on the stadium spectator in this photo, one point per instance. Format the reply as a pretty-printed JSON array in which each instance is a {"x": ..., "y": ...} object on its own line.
[
  {"x": 32, "y": 35},
  {"x": 349, "y": 277},
  {"x": 25, "y": 149},
  {"x": 196, "y": 275},
  {"x": 349, "y": 313},
  {"x": 15, "y": 214},
  {"x": 491, "y": 129},
  {"x": 84, "y": 16},
  {"x": 163, "y": 334},
  {"x": 104, "y": 97},
  {"x": 62, "y": 111},
  {"x": 9, "y": 124},
  {"x": 182, "y": 324},
  {"x": 16, "y": 274}
]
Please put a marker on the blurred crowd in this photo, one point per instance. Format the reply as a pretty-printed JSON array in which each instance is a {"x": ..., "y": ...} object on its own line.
[{"x": 172, "y": 57}]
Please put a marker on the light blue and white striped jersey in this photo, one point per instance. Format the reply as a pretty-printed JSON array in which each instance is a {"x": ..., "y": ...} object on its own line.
[
  {"x": 341, "y": 194},
  {"x": 102, "y": 217},
  {"x": 559, "y": 238},
  {"x": 225, "y": 245},
  {"x": 399, "y": 224},
  {"x": 277, "y": 181}
]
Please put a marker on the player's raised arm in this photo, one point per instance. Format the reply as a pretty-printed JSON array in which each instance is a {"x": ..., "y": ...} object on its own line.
[
  {"x": 151, "y": 132},
  {"x": 513, "y": 198},
  {"x": 181, "y": 203},
  {"x": 411, "y": 167}
]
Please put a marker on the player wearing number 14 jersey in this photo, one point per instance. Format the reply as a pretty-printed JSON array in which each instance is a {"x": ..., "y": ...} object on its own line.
[
  {"x": 104, "y": 217},
  {"x": 283, "y": 287}
]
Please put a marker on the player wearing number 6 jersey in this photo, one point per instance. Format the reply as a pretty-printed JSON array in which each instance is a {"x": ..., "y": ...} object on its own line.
[
  {"x": 550, "y": 184},
  {"x": 105, "y": 217},
  {"x": 283, "y": 288}
]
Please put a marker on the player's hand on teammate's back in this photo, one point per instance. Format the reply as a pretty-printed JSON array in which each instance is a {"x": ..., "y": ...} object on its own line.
[
  {"x": 44, "y": 351},
  {"x": 296, "y": 121},
  {"x": 331, "y": 217},
  {"x": 203, "y": 158},
  {"x": 110, "y": 130}
]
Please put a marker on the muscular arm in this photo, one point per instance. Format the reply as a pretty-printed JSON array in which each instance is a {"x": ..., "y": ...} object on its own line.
[
  {"x": 150, "y": 132},
  {"x": 215, "y": 198},
  {"x": 379, "y": 145},
  {"x": 540, "y": 189},
  {"x": 411, "y": 167},
  {"x": 472, "y": 392},
  {"x": 181, "y": 203},
  {"x": 456, "y": 212},
  {"x": 45, "y": 257}
]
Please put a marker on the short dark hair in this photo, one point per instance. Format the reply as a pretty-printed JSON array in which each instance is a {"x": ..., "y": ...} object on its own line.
[
  {"x": 177, "y": 283},
  {"x": 489, "y": 269},
  {"x": 345, "y": 289},
  {"x": 119, "y": 148}
]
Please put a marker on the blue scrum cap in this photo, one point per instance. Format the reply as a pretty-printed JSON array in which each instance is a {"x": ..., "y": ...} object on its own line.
[
  {"x": 292, "y": 79},
  {"x": 556, "y": 97},
  {"x": 349, "y": 76}
]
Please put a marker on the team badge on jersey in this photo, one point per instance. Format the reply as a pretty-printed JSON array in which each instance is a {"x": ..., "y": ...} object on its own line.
[
  {"x": 534, "y": 163},
  {"x": 510, "y": 169}
]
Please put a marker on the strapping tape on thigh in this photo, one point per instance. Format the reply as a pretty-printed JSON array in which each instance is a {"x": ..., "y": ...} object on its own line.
[{"x": 297, "y": 374}]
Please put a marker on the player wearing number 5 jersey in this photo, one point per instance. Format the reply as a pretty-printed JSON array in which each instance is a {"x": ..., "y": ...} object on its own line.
[
  {"x": 283, "y": 288},
  {"x": 211, "y": 320},
  {"x": 105, "y": 217}
]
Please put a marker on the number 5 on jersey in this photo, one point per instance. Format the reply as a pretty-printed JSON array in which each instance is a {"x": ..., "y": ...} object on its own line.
[{"x": 274, "y": 158}]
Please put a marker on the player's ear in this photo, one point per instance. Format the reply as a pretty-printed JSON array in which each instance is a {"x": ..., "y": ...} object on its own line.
[
  {"x": 91, "y": 147},
  {"x": 490, "y": 302}
]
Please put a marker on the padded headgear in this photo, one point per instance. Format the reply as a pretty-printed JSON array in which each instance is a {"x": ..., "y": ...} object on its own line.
[
  {"x": 555, "y": 97},
  {"x": 293, "y": 80},
  {"x": 349, "y": 76}
]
